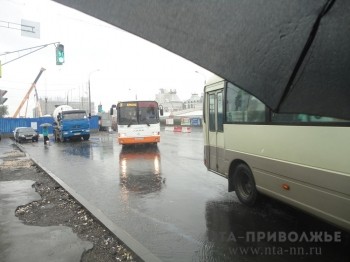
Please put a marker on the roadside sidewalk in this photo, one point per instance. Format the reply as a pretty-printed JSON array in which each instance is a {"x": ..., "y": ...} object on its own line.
[
  {"x": 40, "y": 220},
  {"x": 20, "y": 242}
]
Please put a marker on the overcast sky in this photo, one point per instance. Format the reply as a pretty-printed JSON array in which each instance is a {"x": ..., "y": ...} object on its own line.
[{"x": 126, "y": 64}]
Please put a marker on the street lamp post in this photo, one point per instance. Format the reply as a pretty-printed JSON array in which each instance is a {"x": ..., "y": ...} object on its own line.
[
  {"x": 90, "y": 90},
  {"x": 204, "y": 78},
  {"x": 135, "y": 93}
]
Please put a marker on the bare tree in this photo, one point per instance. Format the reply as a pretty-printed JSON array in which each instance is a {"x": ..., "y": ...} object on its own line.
[{"x": 3, "y": 111}]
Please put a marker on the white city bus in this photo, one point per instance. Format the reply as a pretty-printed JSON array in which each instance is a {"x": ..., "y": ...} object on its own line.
[
  {"x": 138, "y": 122},
  {"x": 299, "y": 159}
]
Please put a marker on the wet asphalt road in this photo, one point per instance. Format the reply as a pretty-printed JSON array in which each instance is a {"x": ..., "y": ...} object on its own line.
[{"x": 166, "y": 199}]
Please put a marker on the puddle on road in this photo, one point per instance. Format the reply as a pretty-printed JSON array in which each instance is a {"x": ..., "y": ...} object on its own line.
[
  {"x": 51, "y": 225},
  {"x": 20, "y": 242}
]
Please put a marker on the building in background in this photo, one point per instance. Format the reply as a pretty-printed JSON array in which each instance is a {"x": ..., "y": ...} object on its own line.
[
  {"x": 48, "y": 105},
  {"x": 173, "y": 106},
  {"x": 169, "y": 100},
  {"x": 195, "y": 102}
]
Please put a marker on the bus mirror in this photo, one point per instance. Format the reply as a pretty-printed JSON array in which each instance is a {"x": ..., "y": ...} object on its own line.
[{"x": 161, "y": 110}]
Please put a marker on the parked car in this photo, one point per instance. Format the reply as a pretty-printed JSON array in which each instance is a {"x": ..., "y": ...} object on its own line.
[{"x": 23, "y": 134}]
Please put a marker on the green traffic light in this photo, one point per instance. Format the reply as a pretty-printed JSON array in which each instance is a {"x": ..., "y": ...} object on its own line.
[
  {"x": 59, "y": 54},
  {"x": 60, "y": 59}
]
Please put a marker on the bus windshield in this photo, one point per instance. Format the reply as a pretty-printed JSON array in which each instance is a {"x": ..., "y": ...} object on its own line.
[{"x": 134, "y": 113}]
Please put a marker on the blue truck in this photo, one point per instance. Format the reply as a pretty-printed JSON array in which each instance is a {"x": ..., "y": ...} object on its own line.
[{"x": 70, "y": 124}]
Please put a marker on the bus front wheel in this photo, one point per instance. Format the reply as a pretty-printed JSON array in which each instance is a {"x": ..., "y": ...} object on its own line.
[{"x": 244, "y": 185}]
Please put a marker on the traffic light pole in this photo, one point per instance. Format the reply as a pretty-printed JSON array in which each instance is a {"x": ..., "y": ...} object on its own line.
[{"x": 39, "y": 47}]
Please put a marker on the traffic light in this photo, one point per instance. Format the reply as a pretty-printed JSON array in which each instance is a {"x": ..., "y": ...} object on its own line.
[
  {"x": 99, "y": 107},
  {"x": 59, "y": 54},
  {"x": 2, "y": 98}
]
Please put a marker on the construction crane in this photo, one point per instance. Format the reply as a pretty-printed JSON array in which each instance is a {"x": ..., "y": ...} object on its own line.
[
  {"x": 26, "y": 97},
  {"x": 38, "y": 106}
]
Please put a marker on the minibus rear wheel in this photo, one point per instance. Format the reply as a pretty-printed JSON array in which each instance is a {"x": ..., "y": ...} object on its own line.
[{"x": 244, "y": 185}]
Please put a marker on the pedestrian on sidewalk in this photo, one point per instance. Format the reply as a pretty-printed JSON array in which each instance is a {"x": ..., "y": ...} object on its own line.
[{"x": 46, "y": 135}]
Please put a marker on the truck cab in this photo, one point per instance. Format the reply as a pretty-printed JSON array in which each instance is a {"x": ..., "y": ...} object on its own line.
[{"x": 72, "y": 124}]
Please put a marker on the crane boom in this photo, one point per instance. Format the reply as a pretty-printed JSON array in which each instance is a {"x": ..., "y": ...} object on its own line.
[
  {"x": 26, "y": 97},
  {"x": 38, "y": 103}
]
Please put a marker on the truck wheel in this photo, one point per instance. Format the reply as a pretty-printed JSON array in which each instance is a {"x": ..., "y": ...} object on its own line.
[
  {"x": 86, "y": 137},
  {"x": 244, "y": 185}
]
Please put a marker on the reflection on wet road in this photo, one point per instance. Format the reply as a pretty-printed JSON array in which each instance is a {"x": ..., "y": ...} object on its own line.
[
  {"x": 139, "y": 169},
  {"x": 79, "y": 149},
  {"x": 165, "y": 198},
  {"x": 271, "y": 231}
]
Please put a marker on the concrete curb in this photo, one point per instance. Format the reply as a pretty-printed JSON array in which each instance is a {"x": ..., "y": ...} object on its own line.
[{"x": 141, "y": 251}]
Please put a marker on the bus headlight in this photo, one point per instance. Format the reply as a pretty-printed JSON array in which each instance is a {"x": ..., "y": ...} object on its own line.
[
  {"x": 121, "y": 135},
  {"x": 156, "y": 133}
]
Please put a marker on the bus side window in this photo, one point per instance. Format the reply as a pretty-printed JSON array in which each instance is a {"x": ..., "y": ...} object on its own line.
[
  {"x": 212, "y": 112},
  {"x": 255, "y": 110},
  {"x": 242, "y": 107},
  {"x": 220, "y": 114},
  {"x": 234, "y": 105},
  {"x": 301, "y": 118}
]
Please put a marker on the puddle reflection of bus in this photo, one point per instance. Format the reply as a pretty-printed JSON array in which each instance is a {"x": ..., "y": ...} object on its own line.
[{"x": 140, "y": 169}]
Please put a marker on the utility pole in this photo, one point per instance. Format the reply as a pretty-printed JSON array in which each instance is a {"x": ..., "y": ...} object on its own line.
[{"x": 90, "y": 89}]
